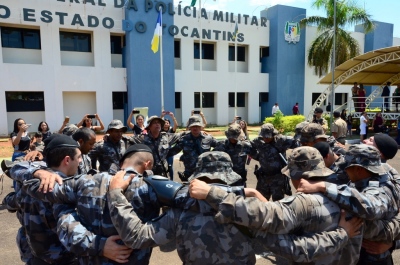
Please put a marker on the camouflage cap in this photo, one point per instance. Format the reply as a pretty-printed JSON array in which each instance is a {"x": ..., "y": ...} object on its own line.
[
  {"x": 153, "y": 118},
  {"x": 311, "y": 132},
  {"x": 306, "y": 162},
  {"x": 365, "y": 156},
  {"x": 116, "y": 124},
  {"x": 70, "y": 129},
  {"x": 268, "y": 130},
  {"x": 215, "y": 165},
  {"x": 194, "y": 121},
  {"x": 298, "y": 129},
  {"x": 234, "y": 131}
]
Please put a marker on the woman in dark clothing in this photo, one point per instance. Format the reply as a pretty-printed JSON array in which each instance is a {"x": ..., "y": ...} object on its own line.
[
  {"x": 44, "y": 129},
  {"x": 167, "y": 128},
  {"x": 139, "y": 127},
  {"x": 20, "y": 138}
]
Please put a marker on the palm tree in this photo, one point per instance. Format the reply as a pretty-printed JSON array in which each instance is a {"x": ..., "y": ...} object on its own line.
[{"x": 347, "y": 14}]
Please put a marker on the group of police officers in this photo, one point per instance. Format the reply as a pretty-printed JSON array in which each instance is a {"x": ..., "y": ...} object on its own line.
[{"x": 72, "y": 213}]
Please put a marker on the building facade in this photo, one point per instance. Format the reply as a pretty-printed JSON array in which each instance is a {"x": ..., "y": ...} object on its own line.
[{"x": 73, "y": 57}]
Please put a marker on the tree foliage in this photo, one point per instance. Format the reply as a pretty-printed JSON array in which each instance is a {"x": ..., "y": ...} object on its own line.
[{"x": 347, "y": 14}]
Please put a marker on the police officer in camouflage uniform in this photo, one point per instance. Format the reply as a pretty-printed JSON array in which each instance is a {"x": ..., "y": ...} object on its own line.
[
  {"x": 192, "y": 144},
  {"x": 314, "y": 133},
  {"x": 334, "y": 162},
  {"x": 111, "y": 150},
  {"x": 318, "y": 119},
  {"x": 84, "y": 225},
  {"x": 159, "y": 141},
  {"x": 237, "y": 148},
  {"x": 301, "y": 214},
  {"x": 372, "y": 193},
  {"x": 86, "y": 139},
  {"x": 63, "y": 157},
  {"x": 267, "y": 149},
  {"x": 199, "y": 238}
]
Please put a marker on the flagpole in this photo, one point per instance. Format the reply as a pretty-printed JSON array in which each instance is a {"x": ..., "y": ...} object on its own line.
[
  {"x": 201, "y": 61},
  {"x": 161, "y": 65},
  {"x": 235, "y": 73}
]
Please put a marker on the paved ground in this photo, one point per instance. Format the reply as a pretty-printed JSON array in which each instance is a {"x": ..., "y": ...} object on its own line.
[{"x": 10, "y": 225}]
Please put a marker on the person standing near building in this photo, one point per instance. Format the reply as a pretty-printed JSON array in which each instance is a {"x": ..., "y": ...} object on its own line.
[
  {"x": 363, "y": 126},
  {"x": 328, "y": 107},
  {"x": 275, "y": 108},
  {"x": 193, "y": 144},
  {"x": 111, "y": 149},
  {"x": 159, "y": 142},
  {"x": 267, "y": 149},
  {"x": 339, "y": 128},
  {"x": 168, "y": 129},
  {"x": 20, "y": 138},
  {"x": 317, "y": 118},
  {"x": 354, "y": 95},
  {"x": 237, "y": 148},
  {"x": 63, "y": 156},
  {"x": 139, "y": 127},
  {"x": 295, "y": 109},
  {"x": 386, "y": 95},
  {"x": 361, "y": 97},
  {"x": 396, "y": 97}
]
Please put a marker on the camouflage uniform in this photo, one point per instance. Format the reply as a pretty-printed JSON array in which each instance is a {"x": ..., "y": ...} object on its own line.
[
  {"x": 313, "y": 131},
  {"x": 269, "y": 177},
  {"x": 108, "y": 152},
  {"x": 297, "y": 132},
  {"x": 301, "y": 214},
  {"x": 373, "y": 198},
  {"x": 84, "y": 222},
  {"x": 39, "y": 222},
  {"x": 160, "y": 147},
  {"x": 12, "y": 205},
  {"x": 193, "y": 147},
  {"x": 85, "y": 166},
  {"x": 238, "y": 152},
  {"x": 199, "y": 239}
]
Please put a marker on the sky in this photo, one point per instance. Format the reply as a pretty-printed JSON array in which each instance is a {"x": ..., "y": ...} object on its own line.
[{"x": 380, "y": 10}]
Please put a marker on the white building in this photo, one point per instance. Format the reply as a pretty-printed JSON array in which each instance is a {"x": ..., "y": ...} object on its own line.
[{"x": 66, "y": 58}]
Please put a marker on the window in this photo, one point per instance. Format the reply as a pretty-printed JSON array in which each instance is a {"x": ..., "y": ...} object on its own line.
[
  {"x": 240, "y": 99},
  {"x": 177, "y": 100},
  {"x": 241, "y": 53},
  {"x": 119, "y": 99},
  {"x": 20, "y": 38},
  {"x": 340, "y": 98},
  {"x": 263, "y": 97},
  {"x": 117, "y": 43},
  {"x": 177, "y": 49},
  {"x": 24, "y": 101},
  {"x": 207, "y": 51},
  {"x": 264, "y": 52},
  {"x": 75, "y": 42},
  {"x": 314, "y": 97},
  {"x": 208, "y": 100}
]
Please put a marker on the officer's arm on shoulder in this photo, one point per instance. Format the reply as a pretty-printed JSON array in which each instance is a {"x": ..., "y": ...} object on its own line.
[
  {"x": 383, "y": 230},
  {"x": 73, "y": 235},
  {"x": 64, "y": 193},
  {"x": 305, "y": 249},
  {"x": 25, "y": 170}
]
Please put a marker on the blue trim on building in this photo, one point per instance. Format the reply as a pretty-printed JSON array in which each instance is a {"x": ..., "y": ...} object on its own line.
[
  {"x": 143, "y": 66},
  {"x": 286, "y": 61}
]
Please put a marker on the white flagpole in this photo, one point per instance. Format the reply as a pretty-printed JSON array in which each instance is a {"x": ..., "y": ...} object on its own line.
[
  {"x": 161, "y": 64},
  {"x": 235, "y": 72},
  {"x": 201, "y": 60}
]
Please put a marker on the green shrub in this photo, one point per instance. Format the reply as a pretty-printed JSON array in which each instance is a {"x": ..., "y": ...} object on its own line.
[{"x": 284, "y": 124}]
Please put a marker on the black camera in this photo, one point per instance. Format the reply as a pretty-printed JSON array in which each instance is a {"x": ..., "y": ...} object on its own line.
[
  {"x": 91, "y": 116},
  {"x": 238, "y": 118},
  {"x": 135, "y": 111},
  {"x": 196, "y": 112}
]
